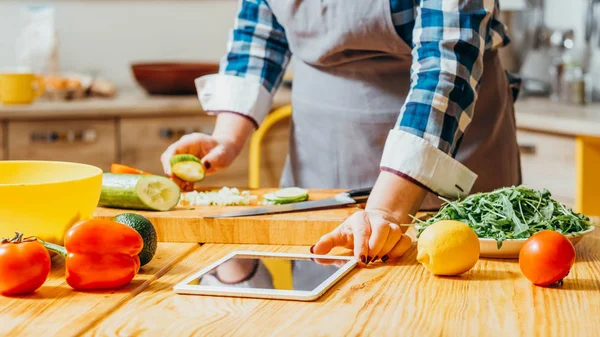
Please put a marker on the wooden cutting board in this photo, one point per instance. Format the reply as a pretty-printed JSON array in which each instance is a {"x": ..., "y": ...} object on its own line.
[{"x": 183, "y": 224}]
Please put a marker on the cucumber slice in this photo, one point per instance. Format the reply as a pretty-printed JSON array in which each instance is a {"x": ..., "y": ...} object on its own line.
[
  {"x": 144, "y": 192},
  {"x": 292, "y": 193},
  {"x": 286, "y": 196},
  {"x": 270, "y": 197},
  {"x": 187, "y": 167}
]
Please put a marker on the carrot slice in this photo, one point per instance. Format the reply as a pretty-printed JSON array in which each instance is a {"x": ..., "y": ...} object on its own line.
[{"x": 124, "y": 169}]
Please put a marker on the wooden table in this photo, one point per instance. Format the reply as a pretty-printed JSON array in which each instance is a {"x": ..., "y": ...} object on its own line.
[{"x": 399, "y": 299}]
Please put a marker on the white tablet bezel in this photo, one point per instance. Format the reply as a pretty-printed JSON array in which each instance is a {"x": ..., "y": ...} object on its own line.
[{"x": 184, "y": 288}]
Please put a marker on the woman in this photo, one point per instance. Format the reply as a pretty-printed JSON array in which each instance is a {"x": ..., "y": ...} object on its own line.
[{"x": 408, "y": 97}]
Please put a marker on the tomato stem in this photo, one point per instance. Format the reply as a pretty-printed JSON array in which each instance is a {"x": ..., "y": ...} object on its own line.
[
  {"x": 60, "y": 250},
  {"x": 17, "y": 239}
]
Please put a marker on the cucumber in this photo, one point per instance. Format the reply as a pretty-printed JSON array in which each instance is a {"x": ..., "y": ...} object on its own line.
[
  {"x": 147, "y": 232},
  {"x": 187, "y": 167},
  {"x": 286, "y": 196},
  {"x": 144, "y": 192},
  {"x": 292, "y": 193}
]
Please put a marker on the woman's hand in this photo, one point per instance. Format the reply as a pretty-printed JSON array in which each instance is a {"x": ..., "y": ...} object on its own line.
[
  {"x": 375, "y": 233},
  {"x": 216, "y": 152},
  {"x": 372, "y": 235}
]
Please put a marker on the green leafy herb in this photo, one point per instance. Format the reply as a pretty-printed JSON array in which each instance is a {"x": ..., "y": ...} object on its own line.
[{"x": 510, "y": 213}]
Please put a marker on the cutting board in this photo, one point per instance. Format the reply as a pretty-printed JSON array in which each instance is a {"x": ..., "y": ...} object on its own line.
[{"x": 184, "y": 224}]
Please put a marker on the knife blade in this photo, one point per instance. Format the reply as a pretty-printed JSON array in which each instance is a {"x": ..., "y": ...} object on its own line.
[{"x": 356, "y": 196}]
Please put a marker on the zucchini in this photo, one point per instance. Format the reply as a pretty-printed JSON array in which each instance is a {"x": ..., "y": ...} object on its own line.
[
  {"x": 134, "y": 191},
  {"x": 286, "y": 196},
  {"x": 187, "y": 167}
]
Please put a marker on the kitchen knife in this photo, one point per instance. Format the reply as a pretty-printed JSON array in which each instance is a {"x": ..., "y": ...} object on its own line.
[{"x": 342, "y": 199}]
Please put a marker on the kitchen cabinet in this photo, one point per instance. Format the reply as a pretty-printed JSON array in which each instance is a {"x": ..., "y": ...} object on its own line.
[
  {"x": 136, "y": 141},
  {"x": 548, "y": 161},
  {"x": 91, "y": 142}
]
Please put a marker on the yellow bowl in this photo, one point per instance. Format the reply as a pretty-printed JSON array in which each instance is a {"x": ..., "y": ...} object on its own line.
[{"x": 45, "y": 198}]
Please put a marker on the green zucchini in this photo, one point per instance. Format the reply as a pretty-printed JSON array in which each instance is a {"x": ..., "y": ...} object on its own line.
[
  {"x": 134, "y": 191},
  {"x": 187, "y": 167}
]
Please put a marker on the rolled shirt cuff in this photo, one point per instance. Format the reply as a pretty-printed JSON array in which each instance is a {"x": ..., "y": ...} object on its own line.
[
  {"x": 415, "y": 159},
  {"x": 228, "y": 93}
]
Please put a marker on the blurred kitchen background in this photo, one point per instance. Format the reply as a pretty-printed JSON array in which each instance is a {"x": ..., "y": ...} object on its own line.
[{"x": 95, "y": 111}]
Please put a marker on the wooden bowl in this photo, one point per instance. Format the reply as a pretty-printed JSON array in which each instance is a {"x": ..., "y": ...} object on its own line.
[{"x": 171, "y": 78}]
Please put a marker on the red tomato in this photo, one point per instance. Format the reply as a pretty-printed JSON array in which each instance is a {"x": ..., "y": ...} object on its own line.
[
  {"x": 24, "y": 266},
  {"x": 546, "y": 258}
]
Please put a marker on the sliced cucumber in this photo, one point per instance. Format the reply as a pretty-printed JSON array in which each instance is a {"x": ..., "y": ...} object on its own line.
[
  {"x": 286, "y": 196},
  {"x": 144, "y": 192},
  {"x": 187, "y": 167},
  {"x": 291, "y": 193}
]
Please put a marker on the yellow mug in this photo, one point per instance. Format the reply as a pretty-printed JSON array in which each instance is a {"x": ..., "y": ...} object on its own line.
[{"x": 20, "y": 87}]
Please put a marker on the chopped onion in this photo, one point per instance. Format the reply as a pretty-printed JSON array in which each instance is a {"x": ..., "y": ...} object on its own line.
[{"x": 223, "y": 197}]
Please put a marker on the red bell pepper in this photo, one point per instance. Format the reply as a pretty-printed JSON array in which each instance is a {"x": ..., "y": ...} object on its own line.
[{"x": 100, "y": 254}]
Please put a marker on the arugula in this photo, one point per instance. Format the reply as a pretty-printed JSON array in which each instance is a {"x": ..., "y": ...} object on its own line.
[{"x": 510, "y": 213}]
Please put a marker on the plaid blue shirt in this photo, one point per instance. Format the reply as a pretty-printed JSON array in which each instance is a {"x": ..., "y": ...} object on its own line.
[{"x": 447, "y": 44}]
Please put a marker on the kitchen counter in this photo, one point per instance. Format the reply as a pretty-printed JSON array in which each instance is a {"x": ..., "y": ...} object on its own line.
[
  {"x": 393, "y": 299},
  {"x": 544, "y": 115},
  {"x": 128, "y": 103},
  {"x": 539, "y": 114}
]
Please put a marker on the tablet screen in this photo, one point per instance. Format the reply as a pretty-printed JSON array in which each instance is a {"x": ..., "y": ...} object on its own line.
[{"x": 269, "y": 272}]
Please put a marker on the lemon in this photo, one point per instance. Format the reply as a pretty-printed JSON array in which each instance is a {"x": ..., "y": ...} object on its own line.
[{"x": 448, "y": 248}]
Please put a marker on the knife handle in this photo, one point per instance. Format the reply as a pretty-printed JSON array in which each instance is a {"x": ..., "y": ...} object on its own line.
[{"x": 360, "y": 195}]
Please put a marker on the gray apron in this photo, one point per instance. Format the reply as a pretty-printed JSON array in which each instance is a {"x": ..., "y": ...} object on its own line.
[{"x": 351, "y": 78}]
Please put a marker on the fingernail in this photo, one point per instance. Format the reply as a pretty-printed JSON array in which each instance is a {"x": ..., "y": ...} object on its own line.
[
  {"x": 385, "y": 258},
  {"x": 207, "y": 165},
  {"x": 375, "y": 258},
  {"x": 312, "y": 249},
  {"x": 368, "y": 259},
  {"x": 363, "y": 259}
]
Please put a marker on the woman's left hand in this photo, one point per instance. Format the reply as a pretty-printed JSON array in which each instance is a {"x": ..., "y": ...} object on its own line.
[{"x": 372, "y": 234}]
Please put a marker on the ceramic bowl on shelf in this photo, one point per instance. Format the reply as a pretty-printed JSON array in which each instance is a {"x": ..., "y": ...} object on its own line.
[
  {"x": 171, "y": 78},
  {"x": 45, "y": 198}
]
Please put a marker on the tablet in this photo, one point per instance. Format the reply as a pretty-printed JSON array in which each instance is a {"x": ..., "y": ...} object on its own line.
[{"x": 302, "y": 277}]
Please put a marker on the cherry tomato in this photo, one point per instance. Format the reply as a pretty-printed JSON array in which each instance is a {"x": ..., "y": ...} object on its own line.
[
  {"x": 546, "y": 258},
  {"x": 24, "y": 265}
]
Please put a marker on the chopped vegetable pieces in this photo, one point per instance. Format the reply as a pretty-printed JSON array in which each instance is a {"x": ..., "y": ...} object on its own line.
[{"x": 223, "y": 197}]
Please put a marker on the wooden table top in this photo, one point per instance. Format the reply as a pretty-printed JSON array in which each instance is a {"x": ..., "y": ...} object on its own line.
[{"x": 394, "y": 299}]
